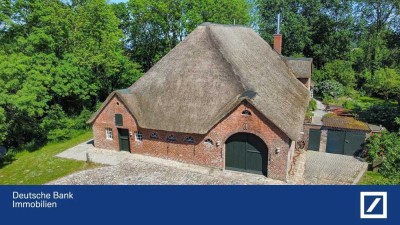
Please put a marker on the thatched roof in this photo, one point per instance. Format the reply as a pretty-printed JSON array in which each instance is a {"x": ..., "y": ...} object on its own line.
[
  {"x": 301, "y": 67},
  {"x": 207, "y": 75}
]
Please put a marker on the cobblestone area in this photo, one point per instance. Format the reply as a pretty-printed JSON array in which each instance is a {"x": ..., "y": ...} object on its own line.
[
  {"x": 308, "y": 167},
  {"x": 129, "y": 168},
  {"x": 325, "y": 168}
]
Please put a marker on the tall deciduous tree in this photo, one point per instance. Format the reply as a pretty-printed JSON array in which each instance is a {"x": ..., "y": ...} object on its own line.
[{"x": 158, "y": 26}]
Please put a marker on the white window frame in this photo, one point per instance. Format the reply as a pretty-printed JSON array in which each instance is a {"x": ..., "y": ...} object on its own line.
[
  {"x": 209, "y": 143},
  {"x": 109, "y": 133},
  {"x": 138, "y": 136}
]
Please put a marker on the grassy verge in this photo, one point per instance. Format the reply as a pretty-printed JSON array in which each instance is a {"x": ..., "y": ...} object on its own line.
[
  {"x": 373, "y": 177},
  {"x": 41, "y": 166}
]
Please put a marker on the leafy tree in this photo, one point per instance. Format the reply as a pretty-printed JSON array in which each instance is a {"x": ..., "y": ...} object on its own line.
[
  {"x": 215, "y": 11},
  {"x": 295, "y": 29},
  {"x": 55, "y": 53},
  {"x": 386, "y": 148},
  {"x": 376, "y": 20},
  {"x": 385, "y": 82},
  {"x": 157, "y": 27},
  {"x": 340, "y": 71}
]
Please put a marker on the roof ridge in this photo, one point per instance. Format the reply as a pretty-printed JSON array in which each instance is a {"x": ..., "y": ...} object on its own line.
[{"x": 215, "y": 42}]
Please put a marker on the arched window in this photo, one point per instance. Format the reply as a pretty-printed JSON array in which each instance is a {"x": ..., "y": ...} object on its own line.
[
  {"x": 189, "y": 140},
  {"x": 246, "y": 112},
  {"x": 208, "y": 142},
  {"x": 171, "y": 138},
  {"x": 154, "y": 135}
]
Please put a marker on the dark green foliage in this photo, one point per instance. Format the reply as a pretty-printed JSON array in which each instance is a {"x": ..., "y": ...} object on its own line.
[
  {"x": 384, "y": 115},
  {"x": 385, "y": 148},
  {"x": 6, "y": 159}
]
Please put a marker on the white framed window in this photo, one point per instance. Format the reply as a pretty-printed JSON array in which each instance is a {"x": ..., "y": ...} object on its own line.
[
  {"x": 138, "y": 136},
  {"x": 189, "y": 140},
  {"x": 109, "y": 134},
  {"x": 154, "y": 135},
  {"x": 208, "y": 142},
  {"x": 171, "y": 138}
]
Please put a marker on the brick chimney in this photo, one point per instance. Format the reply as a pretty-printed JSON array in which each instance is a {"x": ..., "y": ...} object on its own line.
[{"x": 278, "y": 43}]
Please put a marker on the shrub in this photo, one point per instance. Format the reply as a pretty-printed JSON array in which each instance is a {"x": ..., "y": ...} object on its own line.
[
  {"x": 329, "y": 88},
  {"x": 61, "y": 127},
  {"x": 7, "y": 158},
  {"x": 384, "y": 115},
  {"x": 386, "y": 148},
  {"x": 312, "y": 105}
]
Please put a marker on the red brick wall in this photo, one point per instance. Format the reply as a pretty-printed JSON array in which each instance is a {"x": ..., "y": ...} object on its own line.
[{"x": 198, "y": 153}]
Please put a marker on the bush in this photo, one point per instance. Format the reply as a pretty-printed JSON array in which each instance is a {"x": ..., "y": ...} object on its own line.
[
  {"x": 312, "y": 105},
  {"x": 386, "y": 148},
  {"x": 62, "y": 127},
  {"x": 329, "y": 88},
  {"x": 7, "y": 158},
  {"x": 341, "y": 71},
  {"x": 384, "y": 115}
]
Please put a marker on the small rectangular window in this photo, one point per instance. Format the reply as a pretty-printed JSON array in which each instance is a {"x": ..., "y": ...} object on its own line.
[
  {"x": 139, "y": 136},
  {"x": 119, "y": 120},
  {"x": 109, "y": 134}
]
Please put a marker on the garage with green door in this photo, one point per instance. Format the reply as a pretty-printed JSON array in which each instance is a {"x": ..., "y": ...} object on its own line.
[
  {"x": 345, "y": 135},
  {"x": 247, "y": 153}
]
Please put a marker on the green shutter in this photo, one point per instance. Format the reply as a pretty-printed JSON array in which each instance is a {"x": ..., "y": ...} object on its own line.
[{"x": 118, "y": 120}]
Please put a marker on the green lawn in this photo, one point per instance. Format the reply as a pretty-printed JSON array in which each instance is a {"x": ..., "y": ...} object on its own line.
[
  {"x": 373, "y": 177},
  {"x": 41, "y": 166}
]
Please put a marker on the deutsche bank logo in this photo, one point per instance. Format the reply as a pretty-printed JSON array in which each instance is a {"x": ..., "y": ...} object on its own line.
[{"x": 373, "y": 205}]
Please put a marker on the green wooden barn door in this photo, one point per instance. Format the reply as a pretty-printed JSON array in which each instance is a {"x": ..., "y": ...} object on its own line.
[
  {"x": 123, "y": 135},
  {"x": 314, "y": 139},
  {"x": 335, "y": 142},
  {"x": 246, "y": 152},
  {"x": 354, "y": 142}
]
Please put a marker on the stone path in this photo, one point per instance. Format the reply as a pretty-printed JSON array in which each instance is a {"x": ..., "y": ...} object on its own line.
[
  {"x": 319, "y": 113},
  {"x": 326, "y": 168}
]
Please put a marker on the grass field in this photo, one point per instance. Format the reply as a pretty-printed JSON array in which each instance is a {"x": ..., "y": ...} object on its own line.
[
  {"x": 373, "y": 177},
  {"x": 41, "y": 166}
]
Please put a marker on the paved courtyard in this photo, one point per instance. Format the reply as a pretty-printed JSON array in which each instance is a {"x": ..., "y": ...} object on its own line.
[
  {"x": 309, "y": 167},
  {"x": 326, "y": 168}
]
